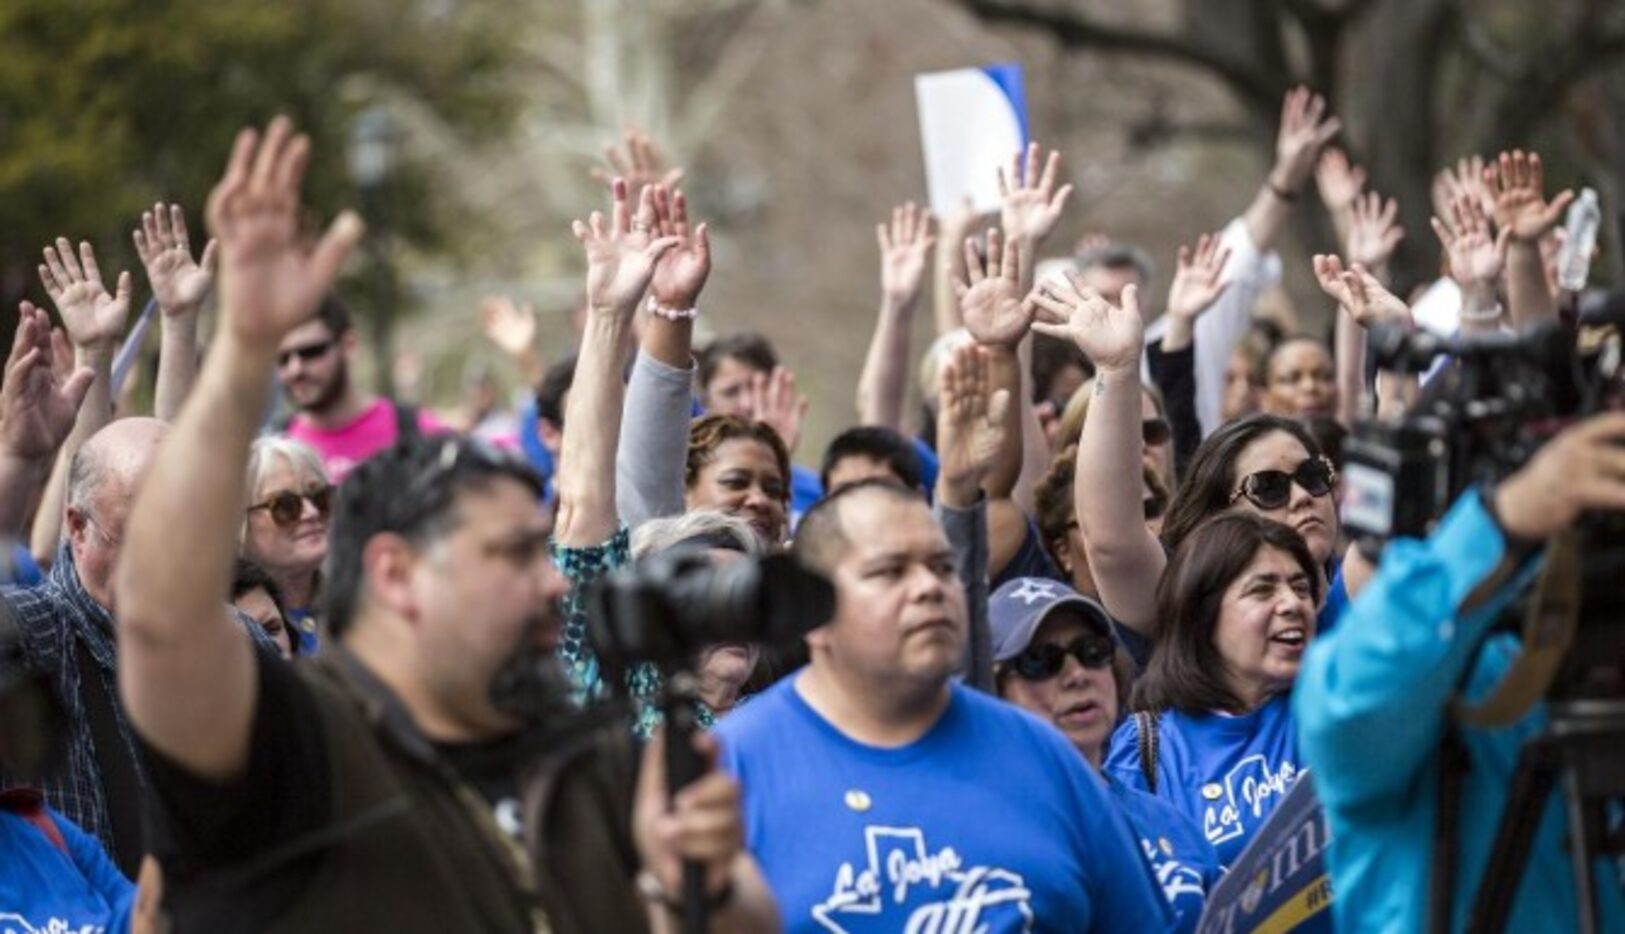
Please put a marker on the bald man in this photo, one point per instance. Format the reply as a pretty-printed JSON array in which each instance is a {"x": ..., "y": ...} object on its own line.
[{"x": 68, "y": 631}]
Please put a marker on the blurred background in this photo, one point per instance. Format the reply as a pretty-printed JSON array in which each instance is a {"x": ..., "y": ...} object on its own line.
[{"x": 465, "y": 131}]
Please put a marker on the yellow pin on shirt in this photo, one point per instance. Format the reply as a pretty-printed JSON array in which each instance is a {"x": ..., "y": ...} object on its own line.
[{"x": 858, "y": 800}]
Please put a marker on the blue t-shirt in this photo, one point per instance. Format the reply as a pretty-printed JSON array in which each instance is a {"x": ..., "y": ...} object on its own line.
[
  {"x": 44, "y": 888},
  {"x": 1181, "y": 859},
  {"x": 991, "y": 822},
  {"x": 303, "y": 625},
  {"x": 1030, "y": 560},
  {"x": 1225, "y": 773}
]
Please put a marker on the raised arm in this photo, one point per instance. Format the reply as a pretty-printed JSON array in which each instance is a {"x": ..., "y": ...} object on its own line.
[
  {"x": 94, "y": 320},
  {"x": 659, "y": 394},
  {"x": 1476, "y": 261},
  {"x": 621, "y": 256},
  {"x": 1517, "y": 183},
  {"x": 905, "y": 245},
  {"x": 186, "y": 668},
  {"x": 972, "y": 430},
  {"x": 1339, "y": 182},
  {"x": 180, "y": 284},
  {"x": 997, "y": 314},
  {"x": 510, "y": 326},
  {"x": 39, "y": 403},
  {"x": 949, "y": 268},
  {"x": 1305, "y": 130},
  {"x": 1127, "y": 560},
  {"x": 1373, "y": 235},
  {"x": 1199, "y": 281},
  {"x": 1366, "y": 303}
]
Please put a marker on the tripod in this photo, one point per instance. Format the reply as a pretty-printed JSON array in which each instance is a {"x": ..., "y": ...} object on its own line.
[{"x": 1583, "y": 748}]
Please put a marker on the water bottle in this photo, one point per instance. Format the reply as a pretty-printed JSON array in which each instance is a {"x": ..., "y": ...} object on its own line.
[{"x": 1574, "y": 264}]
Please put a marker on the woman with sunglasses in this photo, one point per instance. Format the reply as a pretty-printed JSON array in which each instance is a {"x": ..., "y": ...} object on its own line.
[
  {"x": 1263, "y": 464},
  {"x": 1054, "y": 656},
  {"x": 285, "y": 526}
]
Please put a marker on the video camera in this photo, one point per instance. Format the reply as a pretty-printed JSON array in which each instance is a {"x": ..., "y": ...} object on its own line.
[{"x": 1499, "y": 399}]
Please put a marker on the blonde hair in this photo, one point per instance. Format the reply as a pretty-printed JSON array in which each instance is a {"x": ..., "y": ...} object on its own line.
[{"x": 1077, "y": 411}]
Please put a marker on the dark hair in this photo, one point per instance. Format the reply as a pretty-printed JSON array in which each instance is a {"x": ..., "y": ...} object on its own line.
[
  {"x": 1051, "y": 356},
  {"x": 550, "y": 392},
  {"x": 334, "y": 314},
  {"x": 1117, "y": 256},
  {"x": 821, "y": 540},
  {"x": 879, "y": 443},
  {"x": 708, "y": 433},
  {"x": 1209, "y": 479},
  {"x": 1186, "y": 671},
  {"x": 1053, "y": 508},
  {"x": 246, "y": 577},
  {"x": 748, "y": 347},
  {"x": 1329, "y": 434},
  {"x": 410, "y": 489}
]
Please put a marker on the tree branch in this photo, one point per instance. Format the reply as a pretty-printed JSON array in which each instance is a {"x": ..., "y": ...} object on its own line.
[
  {"x": 1258, "y": 89},
  {"x": 1536, "y": 91}
]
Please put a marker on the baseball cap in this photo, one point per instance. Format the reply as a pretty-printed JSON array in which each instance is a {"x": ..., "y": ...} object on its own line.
[{"x": 1020, "y": 606}]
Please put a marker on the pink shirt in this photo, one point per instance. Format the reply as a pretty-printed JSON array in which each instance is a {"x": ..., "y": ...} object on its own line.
[{"x": 341, "y": 449}]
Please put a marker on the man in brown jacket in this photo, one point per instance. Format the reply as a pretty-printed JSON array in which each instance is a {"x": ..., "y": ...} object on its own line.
[{"x": 376, "y": 787}]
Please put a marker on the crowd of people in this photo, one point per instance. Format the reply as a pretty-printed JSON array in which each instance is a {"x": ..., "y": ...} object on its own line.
[{"x": 1094, "y": 612}]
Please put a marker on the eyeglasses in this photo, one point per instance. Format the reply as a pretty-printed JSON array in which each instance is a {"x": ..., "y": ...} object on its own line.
[
  {"x": 1272, "y": 489},
  {"x": 286, "y": 506},
  {"x": 102, "y": 531},
  {"x": 307, "y": 353},
  {"x": 1155, "y": 431},
  {"x": 1043, "y": 662}
]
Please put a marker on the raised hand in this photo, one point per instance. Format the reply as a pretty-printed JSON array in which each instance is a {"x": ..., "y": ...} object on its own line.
[
  {"x": 1357, "y": 290},
  {"x": 639, "y": 161},
  {"x": 1198, "y": 278},
  {"x": 622, "y": 253},
  {"x": 1110, "y": 335},
  {"x": 905, "y": 244},
  {"x": 42, "y": 392},
  {"x": 970, "y": 421},
  {"x": 179, "y": 282},
  {"x": 270, "y": 282},
  {"x": 1032, "y": 203},
  {"x": 1339, "y": 181},
  {"x": 510, "y": 325},
  {"x": 1516, "y": 181},
  {"x": 94, "y": 319},
  {"x": 1373, "y": 231},
  {"x": 1476, "y": 257},
  {"x": 990, "y": 300},
  {"x": 1464, "y": 179},
  {"x": 774, "y": 400},
  {"x": 1305, "y": 130},
  {"x": 681, "y": 272}
]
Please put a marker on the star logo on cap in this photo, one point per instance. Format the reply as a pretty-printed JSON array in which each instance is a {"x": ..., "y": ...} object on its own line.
[{"x": 1032, "y": 591}]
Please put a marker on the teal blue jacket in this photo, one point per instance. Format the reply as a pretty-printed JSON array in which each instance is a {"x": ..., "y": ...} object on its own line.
[{"x": 1371, "y": 703}]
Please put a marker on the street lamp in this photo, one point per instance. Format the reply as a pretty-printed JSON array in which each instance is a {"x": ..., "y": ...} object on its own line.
[{"x": 372, "y": 156}]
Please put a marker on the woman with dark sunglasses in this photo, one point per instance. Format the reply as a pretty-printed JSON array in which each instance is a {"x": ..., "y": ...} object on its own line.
[
  {"x": 1054, "y": 656},
  {"x": 285, "y": 526}
]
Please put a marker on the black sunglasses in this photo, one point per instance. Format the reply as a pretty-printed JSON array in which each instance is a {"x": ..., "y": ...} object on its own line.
[
  {"x": 286, "y": 506},
  {"x": 1272, "y": 489},
  {"x": 307, "y": 353},
  {"x": 1043, "y": 662}
]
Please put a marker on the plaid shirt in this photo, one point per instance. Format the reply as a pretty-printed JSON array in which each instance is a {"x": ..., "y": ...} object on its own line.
[{"x": 53, "y": 617}]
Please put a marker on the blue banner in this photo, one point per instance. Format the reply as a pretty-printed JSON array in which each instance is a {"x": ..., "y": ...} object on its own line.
[{"x": 1281, "y": 882}]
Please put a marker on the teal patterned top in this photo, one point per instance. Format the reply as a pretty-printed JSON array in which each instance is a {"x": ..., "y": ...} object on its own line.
[{"x": 583, "y": 567}]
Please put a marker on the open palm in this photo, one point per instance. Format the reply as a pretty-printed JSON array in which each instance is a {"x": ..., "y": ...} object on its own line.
[
  {"x": 269, "y": 282},
  {"x": 681, "y": 272},
  {"x": 92, "y": 315},
  {"x": 179, "y": 282},
  {"x": 1108, "y": 334},
  {"x": 990, "y": 301},
  {"x": 621, "y": 255}
]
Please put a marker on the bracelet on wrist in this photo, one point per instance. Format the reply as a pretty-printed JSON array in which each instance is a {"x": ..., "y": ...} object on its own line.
[
  {"x": 1284, "y": 194},
  {"x": 1493, "y": 313},
  {"x": 672, "y": 314}
]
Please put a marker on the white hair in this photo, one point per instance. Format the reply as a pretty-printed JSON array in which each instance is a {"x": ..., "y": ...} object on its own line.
[{"x": 659, "y": 535}]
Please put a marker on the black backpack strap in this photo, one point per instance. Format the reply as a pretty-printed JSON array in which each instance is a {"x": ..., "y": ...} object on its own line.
[
  {"x": 1145, "y": 724},
  {"x": 121, "y": 787},
  {"x": 1453, "y": 765},
  {"x": 406, "y": 422}
]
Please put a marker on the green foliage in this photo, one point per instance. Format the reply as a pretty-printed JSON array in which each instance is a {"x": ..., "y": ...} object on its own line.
[{"x": 109, "y": 105}]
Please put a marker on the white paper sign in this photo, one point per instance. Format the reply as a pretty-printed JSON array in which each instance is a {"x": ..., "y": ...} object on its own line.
[{"x": 972, "y": 120}]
